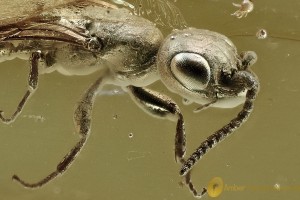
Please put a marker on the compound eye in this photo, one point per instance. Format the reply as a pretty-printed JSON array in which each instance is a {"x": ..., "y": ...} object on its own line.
[{"x": 191, "y": 70}]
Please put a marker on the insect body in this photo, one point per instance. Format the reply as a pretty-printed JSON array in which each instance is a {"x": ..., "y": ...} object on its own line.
[{"x": 83, "y": 37}]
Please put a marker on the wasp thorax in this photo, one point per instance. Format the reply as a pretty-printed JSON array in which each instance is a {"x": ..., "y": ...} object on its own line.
[{"x": 191, "y": 70}]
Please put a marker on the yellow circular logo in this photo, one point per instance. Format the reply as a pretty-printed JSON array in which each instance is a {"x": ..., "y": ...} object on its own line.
[{"x": 215, "y": 187}]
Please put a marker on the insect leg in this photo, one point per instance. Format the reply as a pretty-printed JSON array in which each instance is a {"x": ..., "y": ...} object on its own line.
[
  {"x": 162, "y": 106},
  {"x": 32, "y": 86},
  {"x": 188, "y": 182},
  {"x": 252, "y": 85},
  {"x": 82, "y": 119},
  {"x": 159, "y": 105}
]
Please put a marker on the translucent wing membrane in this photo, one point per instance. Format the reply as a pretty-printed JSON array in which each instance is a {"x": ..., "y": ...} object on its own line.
[
  {"x": 12, "y": 12},
  {"x": 162, "y": 12},
  {"x": 37, "y": 23}
]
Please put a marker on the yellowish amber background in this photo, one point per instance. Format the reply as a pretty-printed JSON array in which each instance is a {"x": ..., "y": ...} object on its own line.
[{"x": 261, "y": 155}]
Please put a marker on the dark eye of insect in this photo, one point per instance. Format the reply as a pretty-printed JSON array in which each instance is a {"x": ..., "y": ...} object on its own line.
[{"x": 191, "y": 70}]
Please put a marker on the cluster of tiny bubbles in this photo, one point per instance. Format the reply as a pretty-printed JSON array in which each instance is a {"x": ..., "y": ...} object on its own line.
[
  {"x": 36, "y": 118},
  {"x": 115, "y": 116}
]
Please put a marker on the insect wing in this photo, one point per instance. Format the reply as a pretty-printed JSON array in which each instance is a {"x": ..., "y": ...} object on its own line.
[
  {"x": 44, "y": 21},
  {"x": 17, "y": 10}
]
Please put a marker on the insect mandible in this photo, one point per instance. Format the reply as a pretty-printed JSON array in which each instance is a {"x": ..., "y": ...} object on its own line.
[{"x": 83, "y": 37}]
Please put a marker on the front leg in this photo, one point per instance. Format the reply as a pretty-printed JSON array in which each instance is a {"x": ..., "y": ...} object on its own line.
[
  {"x": 251, "y": 84},
  {"x": 161, "y": 106},
  {"x": 32, "y": 86}
]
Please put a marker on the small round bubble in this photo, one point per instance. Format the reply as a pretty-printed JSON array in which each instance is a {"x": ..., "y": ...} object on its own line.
[
  {"x": 130, "y": 135},
  {"x": 261, "y": 34}
]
